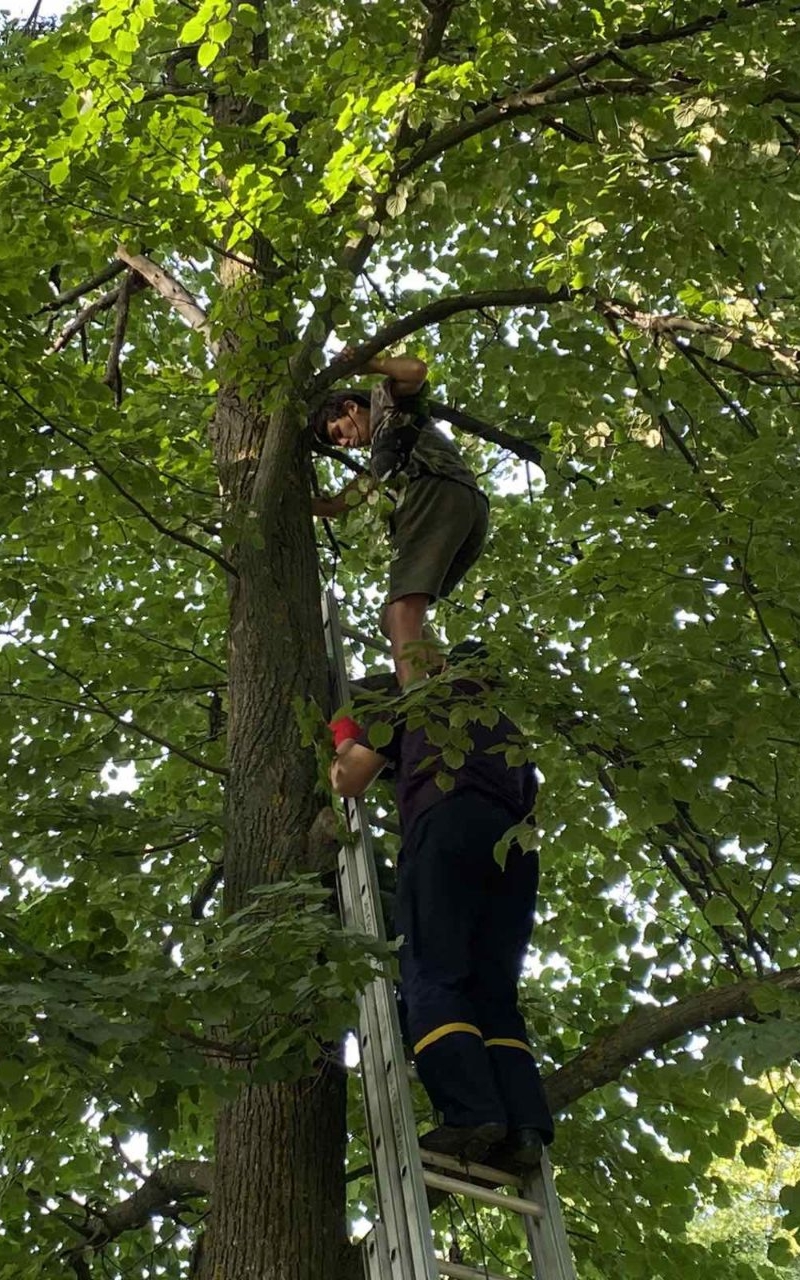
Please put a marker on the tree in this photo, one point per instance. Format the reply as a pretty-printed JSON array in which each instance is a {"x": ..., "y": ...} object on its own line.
[
  {"x": 584, "y": 218},
  {"x": 750, "y": 1222}
]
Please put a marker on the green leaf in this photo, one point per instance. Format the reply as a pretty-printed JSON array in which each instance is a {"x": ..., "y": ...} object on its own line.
[
  {"x": 719, "y": 911},
  {"x": 780, "y": 1252},
  {"x": 789, "y": 1197},
  {"x": 787, "y": 1127},
  {"x": 380, "y": 734},
  {"x": 59, "y": 172},
  {"x": 207, "y": 54},
  {"x": 766, "y": 999}
]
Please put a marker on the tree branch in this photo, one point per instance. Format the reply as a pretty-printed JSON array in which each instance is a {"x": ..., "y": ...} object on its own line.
[
  {"x": 205, "y": 891},
  {"x": 610, "y": 309},
  {"x": 79, "y": 322},
  {"x": 64, "y": 299},
  {"x": 165, "y": 1189},
  {"x": 113, "y": 374},
  {"x": 172, "y": 290},
  {"x": 130, "y": 725},
  {"x": 651, "y": 1028},
  {"x": 486, "y": 431},
  {"x": 98, "y": 466},
  {"x": 528, "y": 102},
  {"x": 666, "y": 325},
  {"x": 433, "y": 313},
  {"x": 546, "y": 91},
  {"x": 601, "y": 1063},
  {"x": 165, "y": 92}
]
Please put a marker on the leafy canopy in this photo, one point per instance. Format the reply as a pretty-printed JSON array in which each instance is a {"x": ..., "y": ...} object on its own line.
[{"x": 602, "y": 204}]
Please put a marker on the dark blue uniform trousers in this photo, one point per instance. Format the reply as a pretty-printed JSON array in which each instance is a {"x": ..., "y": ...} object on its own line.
[{"x": 466, "y": 923}]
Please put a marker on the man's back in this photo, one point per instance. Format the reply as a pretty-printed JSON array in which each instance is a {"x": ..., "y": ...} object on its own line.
[{"x": 426, "y": 772}]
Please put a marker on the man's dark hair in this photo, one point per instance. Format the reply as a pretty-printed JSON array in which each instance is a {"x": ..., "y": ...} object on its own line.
[{"x": 331, "y": 408}]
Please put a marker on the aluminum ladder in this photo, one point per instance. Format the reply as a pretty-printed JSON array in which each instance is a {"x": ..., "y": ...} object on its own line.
[{"x": 399, "y": 1245}]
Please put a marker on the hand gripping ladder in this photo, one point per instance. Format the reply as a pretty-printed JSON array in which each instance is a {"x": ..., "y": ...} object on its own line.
[{"x": 400, "y": 1243}]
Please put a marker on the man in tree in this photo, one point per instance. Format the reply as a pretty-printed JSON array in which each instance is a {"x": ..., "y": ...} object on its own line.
[
  {"x": 440, "y": 518},
  {"x": 465, "y": 919}
]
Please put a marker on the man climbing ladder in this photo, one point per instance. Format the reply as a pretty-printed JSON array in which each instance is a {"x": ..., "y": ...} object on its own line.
[
  {"x": 400, "y": 1244},
  {"x": 465, "y": 920},
  {"x": 440, "y": 518}
]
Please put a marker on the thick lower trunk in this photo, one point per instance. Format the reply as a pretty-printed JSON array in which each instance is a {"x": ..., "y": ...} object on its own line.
[{"x": 278, "y": 1204}]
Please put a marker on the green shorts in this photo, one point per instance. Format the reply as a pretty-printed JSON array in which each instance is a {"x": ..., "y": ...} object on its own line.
[{"x": 438, "y": 532}]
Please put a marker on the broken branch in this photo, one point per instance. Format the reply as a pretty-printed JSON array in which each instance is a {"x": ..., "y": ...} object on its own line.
[{"x": 172, "y": 291}]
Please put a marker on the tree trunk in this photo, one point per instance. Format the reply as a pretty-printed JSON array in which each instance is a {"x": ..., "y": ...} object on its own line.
[{"x": 278, "y": 1202}]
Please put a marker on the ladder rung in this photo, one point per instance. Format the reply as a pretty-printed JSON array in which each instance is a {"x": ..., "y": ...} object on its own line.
[
  {"x": 456, "y": 1187},
  {"x": 369, "y": 642},
  {"x": 459, "y": 1272},
  {"x": 471, "y": 1170}
]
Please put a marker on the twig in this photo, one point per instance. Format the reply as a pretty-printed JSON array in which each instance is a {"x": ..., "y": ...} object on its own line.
[
  {"x": 55, "y": 198},
  {"x": 333, "y": 541},
  {"x": 129, "y": 1164},
  {"x": 741, "y": 417},
  {"x": 566, "y": 130},
  {"x": 205, "y": 891},
  {"x": 750, "y": 591},
  {"x": 667, "y": 429},
  {"x": 64, "y": 299},
  {"x": 376, "y": 288},
  {"x": 131, "y": 725},
  {"x": 113, "y": 374},
  {"x": 78, "y": 324},
  {"x": 129, "y": 497},
  {"x": 764, "y": 376}
]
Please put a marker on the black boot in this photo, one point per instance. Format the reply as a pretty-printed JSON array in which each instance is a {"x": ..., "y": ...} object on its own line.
[
  {"x": 521, "y": 1150},
  {"x": 471, "y": 1142}
]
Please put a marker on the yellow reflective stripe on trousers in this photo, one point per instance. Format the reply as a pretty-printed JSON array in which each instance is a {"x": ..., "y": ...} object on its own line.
[
  {"x": 510, "y": 1044},
  {"x": 447, "y": 1029}
]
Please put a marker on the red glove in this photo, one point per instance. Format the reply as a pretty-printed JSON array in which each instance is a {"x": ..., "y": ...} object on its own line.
[{"x": 342, "y": 728}]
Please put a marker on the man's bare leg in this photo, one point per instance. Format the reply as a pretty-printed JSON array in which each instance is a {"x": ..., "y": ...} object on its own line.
[{"x": 403, "y": 622}]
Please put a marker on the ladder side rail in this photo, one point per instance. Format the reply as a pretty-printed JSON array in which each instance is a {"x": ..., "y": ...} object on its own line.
[
  {"x": 387, "y": 1096},
  {"x": 408, "y": 1231},
  {"x": 547, "y": 1236},
  {"x": 375, "y": 1253}
]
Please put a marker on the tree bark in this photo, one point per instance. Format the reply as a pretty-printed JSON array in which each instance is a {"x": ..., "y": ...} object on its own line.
[{"x": 278, "y": 1199}]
